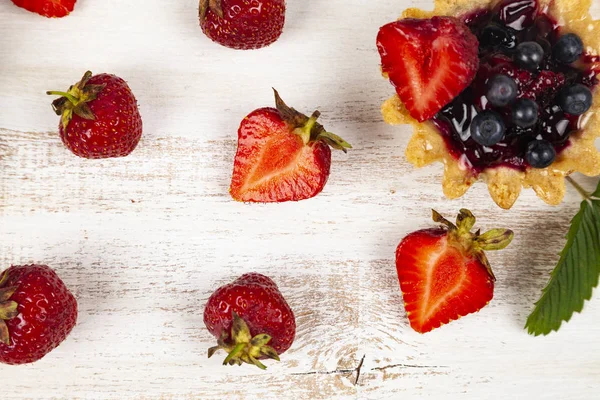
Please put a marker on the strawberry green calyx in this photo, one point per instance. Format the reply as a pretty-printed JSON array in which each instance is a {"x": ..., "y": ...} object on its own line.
[
  {"x": 8, "y": 308},
  {"x": 212, "y": 5},
  {"x": 475, "y": 243},
  {"x": 308, "y": 128},
  {"x": 75, "y": 100},
  {"x": 243, "y": 348}
]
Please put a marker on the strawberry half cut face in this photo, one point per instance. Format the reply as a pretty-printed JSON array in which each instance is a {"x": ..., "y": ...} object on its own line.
[
  {"x": 443, "y": 272},
  {"x": 282, "y": 155},
  {"x": 439, "y": 282},
  {"x": 429, "y": 61},
  {"x": 272, "y": 164}
]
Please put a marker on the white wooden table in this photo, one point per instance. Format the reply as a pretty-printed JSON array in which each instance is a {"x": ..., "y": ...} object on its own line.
[{"x": 143, "y": 241}]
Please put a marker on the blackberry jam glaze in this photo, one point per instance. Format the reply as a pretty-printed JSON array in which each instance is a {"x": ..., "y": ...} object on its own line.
[{"x": 499, "y": 31}]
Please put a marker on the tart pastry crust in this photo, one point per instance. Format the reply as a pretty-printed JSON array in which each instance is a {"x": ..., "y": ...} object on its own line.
[{"x": 504, "y": 184}]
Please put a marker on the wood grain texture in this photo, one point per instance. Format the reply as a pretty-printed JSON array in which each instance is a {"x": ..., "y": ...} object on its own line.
[{"x": 143, "y": 241}]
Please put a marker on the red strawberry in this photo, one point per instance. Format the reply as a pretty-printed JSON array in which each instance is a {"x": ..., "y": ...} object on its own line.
[
  {"x": 282, "y": 155},
  {"x": 242, "y": 24},
  {"x": 99, "y": 117},
  {"x": 444, "y": 273},
  {"x": 47, "y": 8},
  {"x": 261, "y": 323},
  {"x": 37, "y": 312},
  {"x": 429, "y": 61}
]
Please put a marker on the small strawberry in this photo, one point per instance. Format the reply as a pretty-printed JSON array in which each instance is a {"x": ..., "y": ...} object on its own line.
[
  {"x": 282, "y": 155},
  {"x": 47, "y": 8},
  {"x": 429, "y": 61},
  {"x": 37, "y": 312},
  {"x": 261, "y": 323},
  {"x": 242, "y": 24},
  {"x": 99, "y": 117},
  {"x": 444, "y": 273}
]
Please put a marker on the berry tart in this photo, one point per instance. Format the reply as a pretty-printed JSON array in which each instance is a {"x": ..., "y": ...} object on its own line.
[{"x": 501, "y": 91}]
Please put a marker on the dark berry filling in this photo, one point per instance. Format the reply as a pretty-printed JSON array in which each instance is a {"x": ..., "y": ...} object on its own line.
[{"x": 518, "y": 45}]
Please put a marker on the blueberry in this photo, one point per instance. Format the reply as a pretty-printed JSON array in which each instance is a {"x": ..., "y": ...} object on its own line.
[
  {"x": 575, "y": 100},
  {"x": 529, "y": 55},
  {"x": 540, "y": 153},
  {"x": 501, "y": 90},
  {"x": 525, "y": 113},
  {"x": 568, "y": 48},
  {"x": 487, "y": 128}
]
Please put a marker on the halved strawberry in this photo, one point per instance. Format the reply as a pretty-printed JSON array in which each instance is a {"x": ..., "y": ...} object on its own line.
[
  {"x": 444, "y": 273},
  {"x": 47, "y": 8},
  {"x": 282, "y": 155},
  {"x": 429, "y": 61}
]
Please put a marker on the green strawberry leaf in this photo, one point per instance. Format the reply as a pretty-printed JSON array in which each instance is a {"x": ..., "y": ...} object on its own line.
[{"x": 576, "y": 274}]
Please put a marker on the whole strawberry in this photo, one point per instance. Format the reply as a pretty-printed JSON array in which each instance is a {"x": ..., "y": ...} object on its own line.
[
  {"x": 99, "y": 117},
  {"x": 251, "y": 320},
  {"x": 47, "y": 8},
  {"x": 282, "y": 155},
  {"x": 37, "y": 312},
  {"x": 444, "y": 273},
  {"x": 242, "y": 24}
]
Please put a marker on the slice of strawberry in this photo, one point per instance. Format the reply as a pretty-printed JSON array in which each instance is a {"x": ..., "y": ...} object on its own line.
[
  {"x": 429, "y": 61},
  {"x": 444, "y": 273},
  {"x": 282, "y": 155}
]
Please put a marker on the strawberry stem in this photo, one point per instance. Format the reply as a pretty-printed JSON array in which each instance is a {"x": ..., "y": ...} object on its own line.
[
  {"x": 437, "y": 217},
  {"x": 236, "y": 350},
  {"x": 74, "y": 100},
  {"x": 8, "y": 308},
  {"x": 212, "y": 5},
  {"x": 475, "y": 242},
  {"x": 242, "y": 347},
  {"x": 305, "y": 131},
  {"x": 308, "y": 128},
  {"x": 257, "y": 363},
  {"x": 69, "y": 97}
]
